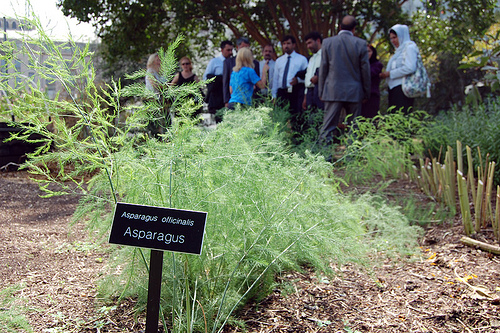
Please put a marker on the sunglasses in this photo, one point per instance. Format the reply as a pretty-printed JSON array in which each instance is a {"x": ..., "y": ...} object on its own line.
[{"x": 186, "y": 63}]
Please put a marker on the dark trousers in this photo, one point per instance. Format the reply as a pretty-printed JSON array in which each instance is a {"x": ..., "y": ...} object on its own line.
[
  {"x": 312, "y": 99},
  {"x": 329, "y": 129},
  {"x": 399, "y": 100},
  {"x": 370, "y": 108},
  {"x": 294, "y": 99}
]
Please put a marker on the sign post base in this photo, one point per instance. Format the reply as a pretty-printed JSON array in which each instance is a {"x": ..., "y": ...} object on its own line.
[{"x": 154, "y": 291}]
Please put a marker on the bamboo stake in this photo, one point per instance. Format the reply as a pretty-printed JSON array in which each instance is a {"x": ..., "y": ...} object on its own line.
[
  {"x": 463, "y": 196},
  {"x": 460, "y": 163},
  {"x": 445, "y": 180},
  {"x": 484, "y": 177},
  {"x": 470, "y": 172},
  {"x": 430, "y": 176},
  {"x": 478, "y": 205},
  {"x": 496, "y": 220},
  {"x": 480, "y": 167},
  {"x": 424, "y": 179},
  {"x": 450, "y": 179},
  {"x": 483, "y": 246},
  {"x": 489, "y": 186},
  {"x": 435, "y": 173}
]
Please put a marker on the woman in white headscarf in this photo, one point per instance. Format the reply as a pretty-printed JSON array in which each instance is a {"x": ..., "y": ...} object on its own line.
[{"x": 402, "y": 63}]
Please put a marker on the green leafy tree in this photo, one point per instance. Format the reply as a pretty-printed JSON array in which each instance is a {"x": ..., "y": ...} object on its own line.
[
  {"x": 445, "y": 31},
  {"x": 484, "y": 60},
  {"x": 131, "y": 29}
]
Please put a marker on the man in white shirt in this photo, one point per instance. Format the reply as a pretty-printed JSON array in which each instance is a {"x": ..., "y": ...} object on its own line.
[
  {"x": 311, "y": 97},
  {"x": 286, "y": 86}
]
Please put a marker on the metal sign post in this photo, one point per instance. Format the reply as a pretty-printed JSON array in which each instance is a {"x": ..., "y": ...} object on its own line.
[
  {"x": 159, "y": 229},
  {"x": 154, "y": 291}
]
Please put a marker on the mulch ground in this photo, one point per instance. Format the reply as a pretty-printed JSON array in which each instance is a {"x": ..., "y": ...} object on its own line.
[{"x": 447, "y": 287}]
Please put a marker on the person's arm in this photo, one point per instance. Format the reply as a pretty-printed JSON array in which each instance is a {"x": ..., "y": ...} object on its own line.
[
  {"x": 226, "y": 77},
  {"x": 323, "y": 71},
  {"x": 175, "y": 79},
  {"x": 275, "y": 79},
  {"x": 300, "y": 76},
  {"x": 210, "y": 69},
  {"x": 365, "y": 72},
  {"x": 375, "y": 69},
  {"x": 409, "y": 65},
  {"x": 263, "y": 80}
]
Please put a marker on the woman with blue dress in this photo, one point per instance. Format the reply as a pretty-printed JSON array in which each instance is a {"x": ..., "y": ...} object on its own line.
[{"x": 243, "y": 79}]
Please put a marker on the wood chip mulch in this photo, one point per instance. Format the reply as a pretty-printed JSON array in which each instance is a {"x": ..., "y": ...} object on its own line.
[{"x": 55, "y": 270}]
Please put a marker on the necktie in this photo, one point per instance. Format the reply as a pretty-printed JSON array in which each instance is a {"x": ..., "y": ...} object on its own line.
[{"x": 285, "y": 73}]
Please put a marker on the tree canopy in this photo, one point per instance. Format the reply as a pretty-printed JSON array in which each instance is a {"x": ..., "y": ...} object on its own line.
[{"x": 132, "y": 29}]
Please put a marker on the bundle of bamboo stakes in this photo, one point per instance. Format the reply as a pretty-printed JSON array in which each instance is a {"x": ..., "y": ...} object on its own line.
[{"x": 441, "y": 181}]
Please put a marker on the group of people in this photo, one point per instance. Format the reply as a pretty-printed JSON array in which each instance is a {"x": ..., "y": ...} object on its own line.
[
  {"x": 342, "y": 76},
  {"x": 154, "y": 79}
]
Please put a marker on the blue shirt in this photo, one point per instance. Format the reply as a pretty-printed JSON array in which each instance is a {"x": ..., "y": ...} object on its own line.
[
  {"x": 242, "y": 83},
  {"x": 215, "y": 66}
]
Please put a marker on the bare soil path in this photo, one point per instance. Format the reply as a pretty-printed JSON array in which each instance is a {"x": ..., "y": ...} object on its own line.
[
  {"x": 51, "y": 263},
  {"x": 54, "y": 268}
]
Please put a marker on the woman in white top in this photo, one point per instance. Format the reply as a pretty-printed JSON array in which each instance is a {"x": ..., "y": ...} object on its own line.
[
  {"x": 153, "y": 77},
  {"x": 402, "y": 63},
  {"x": 158, "y": 121}
]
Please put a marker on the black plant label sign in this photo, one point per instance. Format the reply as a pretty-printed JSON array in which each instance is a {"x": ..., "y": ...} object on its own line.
[{"x": 158, "y": 228}]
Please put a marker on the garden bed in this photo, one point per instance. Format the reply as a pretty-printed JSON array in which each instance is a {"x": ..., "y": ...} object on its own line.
[{"x": 53, "y": 270}]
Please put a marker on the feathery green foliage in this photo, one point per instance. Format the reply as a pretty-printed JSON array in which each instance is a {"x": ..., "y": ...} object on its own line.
[
  {"x": 260, "y": 200},
  {"x": 269, "y": 210},
  {"x": 382, "y": 146},
  {"x": 12, "y": 318}
]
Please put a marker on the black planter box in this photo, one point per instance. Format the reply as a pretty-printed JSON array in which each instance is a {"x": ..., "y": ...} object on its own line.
[{"x": 13, "y": 153}]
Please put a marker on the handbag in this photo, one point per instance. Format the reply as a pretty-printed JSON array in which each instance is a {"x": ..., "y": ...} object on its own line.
[{"x": 416, "y": 84}]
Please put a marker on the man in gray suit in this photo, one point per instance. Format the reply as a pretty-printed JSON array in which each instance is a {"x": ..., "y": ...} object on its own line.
[{"x": 344, "y": 77}]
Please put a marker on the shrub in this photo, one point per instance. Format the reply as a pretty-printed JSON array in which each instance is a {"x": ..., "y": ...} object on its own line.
[
  {"x": 269, "y": 210},
  {"x": 476, "y": 127},
  {"x": 383, "y": 146}
]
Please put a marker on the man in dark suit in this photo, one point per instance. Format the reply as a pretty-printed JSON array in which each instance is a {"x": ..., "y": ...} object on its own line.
[
  {"x": 215, "y": 68},
  {"x": 229, "y": 63},
  {"x": 344, "y": 77}
]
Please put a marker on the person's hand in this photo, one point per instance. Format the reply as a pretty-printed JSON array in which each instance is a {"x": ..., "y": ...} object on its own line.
[
  {"x": 314, "y": 79},
  {"x": 265, "y": 69},
  {"x": 384, "y": 75},
  {"x": 304, "y": 103},
  {"x": 294, "y": 81}
]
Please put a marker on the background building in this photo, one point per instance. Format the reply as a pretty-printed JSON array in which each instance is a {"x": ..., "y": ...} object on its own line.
[{"x": 32, "y": 68}]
